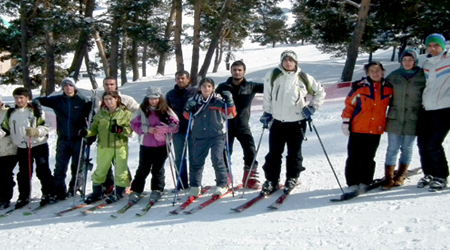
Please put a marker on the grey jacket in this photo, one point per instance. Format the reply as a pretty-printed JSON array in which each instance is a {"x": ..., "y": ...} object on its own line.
[{"x": 406, "y": 102}]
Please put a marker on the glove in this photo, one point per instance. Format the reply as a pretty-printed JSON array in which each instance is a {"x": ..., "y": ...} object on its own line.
[
  {"x": 346, "y": 128},
  {"x": 190, "y": 105},
  {"x": 90, "y": 140},
  {"x": 83, "y": 132},
  {"x": 116, "y": 129},
  {"x": 307, "y": 112},
  {"x": 37, "y": 108},
  {"x": 265, "y": 119},
  {"x": 227, "y": 97},
  {"x": 32, "y": 132}
]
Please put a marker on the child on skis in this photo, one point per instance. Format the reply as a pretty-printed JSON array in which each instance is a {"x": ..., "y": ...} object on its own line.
[
  {"x": 26, "y": 126},
  {"x": 207, "y": 112},
  {"x": 112, "y": 127},
  {"x": 152, "y": 122},
  {"x": 364, "y": 120}
]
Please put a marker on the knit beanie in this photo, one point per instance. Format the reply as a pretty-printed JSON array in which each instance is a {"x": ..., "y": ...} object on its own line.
[
  {"x": 289, "y": 53},
  {"x": 412, "y": 53},
  {"x": 436, "y": 38},
  {"x": 153, "y": 92},
  {"x": 68, "y": 81}
]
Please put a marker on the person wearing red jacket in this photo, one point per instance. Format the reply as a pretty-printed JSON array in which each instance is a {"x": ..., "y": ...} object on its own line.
[{"x": 364, "y": 120}]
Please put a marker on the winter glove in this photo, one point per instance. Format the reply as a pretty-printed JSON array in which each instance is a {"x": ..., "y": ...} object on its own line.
[
  {"x": 346, "y": 127},
  {"x": 32, "y": 132},
  {"x": 83, "y": 132},
  {"x": 90, "y": 140},
  {"x": 227, "y": 97},
  {"x": 37, "y": 108},
  {"x": 190, "y": 105},
  {"x": 265, "y": 119},
  {"x": 307, "y": 112},
  {"x": 116, "y": 129}
]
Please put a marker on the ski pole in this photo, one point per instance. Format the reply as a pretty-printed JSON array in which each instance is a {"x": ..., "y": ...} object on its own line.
[
  {"x": 311, "y": 125},
  {"x": 176, "y": 169},
  {"x": 183, "y": 154},
  {"x": 228, "y": 158},
  {"x": 30, "y": 167},
  {"x": 80, "y": 157},
  {"x": 170, "y": 159},
  {"x": 253, "y": 162}
]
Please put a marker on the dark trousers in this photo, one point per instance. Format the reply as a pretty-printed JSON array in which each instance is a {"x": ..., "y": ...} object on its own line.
[
  {"x": 281, "y": 134},
  {"x": 39, "y": 155},
  {"x": 152, "y": 160},
  {"x": 65, "y": 150},
  {"x": 245, "y": 138},
  {"x": 360, "y": 164},
  {"x": 432, "y": 130},
  {"x": 182, "y": 166},
  {"x": 7, "y": 177}
]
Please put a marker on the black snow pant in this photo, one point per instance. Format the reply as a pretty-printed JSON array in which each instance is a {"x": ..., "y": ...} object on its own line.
[
  {"x": 66, "y": 150},
  {"x": 151, "y": 159},
  {"x": 291, "y": 134},
  {"x": 39, "y": 154},
  {"x": 360, "y": 164},
  {"x": 245, "y": 138},
  {"x": 7, "y": 177},
  {"x": 433, "y": 127}
]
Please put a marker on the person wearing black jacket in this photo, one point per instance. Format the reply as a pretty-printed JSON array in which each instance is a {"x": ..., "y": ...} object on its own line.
[
  {"x": 71, "y": 109},
  {"x": 176, "y": 99},
  {"x": 243, "y": 92}
]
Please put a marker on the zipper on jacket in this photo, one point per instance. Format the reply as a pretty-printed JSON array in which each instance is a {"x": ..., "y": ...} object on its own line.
[{"x": 68, "y": 120}]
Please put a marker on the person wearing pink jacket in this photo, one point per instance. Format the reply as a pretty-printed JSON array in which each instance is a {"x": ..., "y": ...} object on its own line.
[{"x": 152, "y": 122}]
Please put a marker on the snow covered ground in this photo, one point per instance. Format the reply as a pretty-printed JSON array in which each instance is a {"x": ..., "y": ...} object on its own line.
[{"x": 403, "y": 218}]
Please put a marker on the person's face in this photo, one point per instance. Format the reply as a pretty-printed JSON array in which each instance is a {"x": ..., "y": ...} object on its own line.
[
  {"x": 21, "y": 100},
  {"x": 408, "y": 62},
  {"x": 434, "y": 49},
  {"x": 207, "y": 89},
  {"x": 110, "y": 102},
  {"x": 237, "y": 72},
  {"x": 182, "y": 81},
  {"x": 153, "y": 102},
  {"x": 69, "y": 90},
  {"x": 109, "y": 85},
  {"x": 289, "y": 63},
  {"x": 375, "y": 73}
]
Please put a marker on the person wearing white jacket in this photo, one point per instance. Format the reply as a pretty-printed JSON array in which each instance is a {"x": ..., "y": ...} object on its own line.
[
  {"x": 26, "y": 126},
  {"x": 433, "y": 121},
  {"x": 286, "y": 108}
]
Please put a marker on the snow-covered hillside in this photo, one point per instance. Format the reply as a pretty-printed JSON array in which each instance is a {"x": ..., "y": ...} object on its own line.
[{"x": 403, "y": 218}]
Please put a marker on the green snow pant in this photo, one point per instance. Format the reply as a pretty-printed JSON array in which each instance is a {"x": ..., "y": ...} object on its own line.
[{"x": 104, "y": 158}]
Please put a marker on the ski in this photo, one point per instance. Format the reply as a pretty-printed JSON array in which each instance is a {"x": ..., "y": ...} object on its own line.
[
  {"x": 279, "y": 201},
  {"x": 8, "y": 213},
  {"x": 73, "y": 208},
  {"x": 126, "y": 207},
  {"x": 34, "y": 210},
  {"x": 376, "y": 183},
  {"x": 254, "y": 200},
  {"x": 213, "y": 198},
  {"x": 94, "y": 208},
  {"x": 189, "y": 201},
  {"x": 146, "y": 208}
]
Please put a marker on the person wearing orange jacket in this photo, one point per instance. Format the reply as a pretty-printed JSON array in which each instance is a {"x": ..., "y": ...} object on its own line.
[{"x": 364, "y": 120}]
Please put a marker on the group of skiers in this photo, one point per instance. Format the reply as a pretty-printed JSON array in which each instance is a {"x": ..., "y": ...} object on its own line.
[{"x": 194, "y": 121}]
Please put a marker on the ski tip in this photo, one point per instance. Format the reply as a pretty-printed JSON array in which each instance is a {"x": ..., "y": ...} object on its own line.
[
  {"x": 27, "y": 213},
  {"x": 272, "y": 207},
  {"x": 187, "y": 212},
  {"x": 174, "y": 212},
  {"x": 59, "y": 214},
  {"x": 236, "y": 210}
]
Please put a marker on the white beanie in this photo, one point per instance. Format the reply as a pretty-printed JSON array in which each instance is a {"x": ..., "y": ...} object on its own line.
[
  {"x": 154, "y": 92},
  {"x": 289, "y": 53},
  {"x": 69, "y": 81}
]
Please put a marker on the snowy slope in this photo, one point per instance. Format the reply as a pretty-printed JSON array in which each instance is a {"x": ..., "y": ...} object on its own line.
[{"x": 403, "y": 218}]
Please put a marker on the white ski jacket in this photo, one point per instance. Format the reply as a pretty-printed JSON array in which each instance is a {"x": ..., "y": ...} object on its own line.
[
  {"x": 6, "y": 146},
  {"x": 436, "y": 94}
]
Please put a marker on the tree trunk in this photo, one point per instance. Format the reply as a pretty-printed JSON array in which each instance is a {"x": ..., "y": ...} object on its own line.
[
  {"x": 178, "y": 30},
  {"x": 50, "y": 62},
  {"x": 89, "y": 70},
  {"x": 219, "y": 55},
  {"x": 215, "y": 37},
  {"x": 352, "y": 52},
  {"x": 114, "y": 51},
  {"x": 134, "y": 59},
  {"x": 81, "y": 48},
  {"x": 123, "y": 61},
  {"x": 144, "y": 60},
  {"x": 394, "y": 49},
  {"x": 24, "y": 45},
  {"x": 101, "y": 52},
  {"x": 169, "y": 29},
  {"x": 196, "y": 42}
]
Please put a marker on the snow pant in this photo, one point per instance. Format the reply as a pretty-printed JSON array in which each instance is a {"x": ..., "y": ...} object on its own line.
[
  {"x": 178, "y": 145},
  {"x": 151, "y": 159},
  {"x": 39, "y": 154},
  {"x": 281, "y": 134},
  {"x": 197, "y": 162},
  {"x": 433, "y": 127},
  {"x": 106, "y": 156},
  {"x": 397, "y": 142},
  {"x": 7, "y": 177},
  {"x": 245, "y": 138},
  {"x": 360, "y": 164},
  {"x": 66, "y": 150}
]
